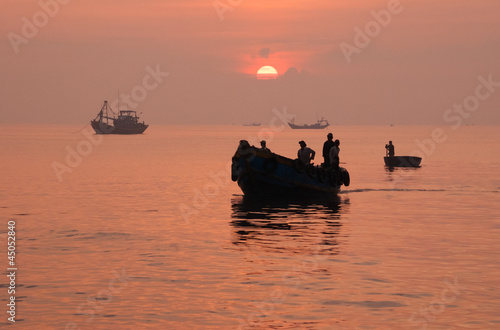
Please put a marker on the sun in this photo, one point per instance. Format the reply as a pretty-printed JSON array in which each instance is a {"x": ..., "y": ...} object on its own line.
[{"x": 267, "y": 72}]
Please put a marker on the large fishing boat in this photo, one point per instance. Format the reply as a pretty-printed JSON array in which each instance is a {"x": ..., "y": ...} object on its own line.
[
  {"x": 126, "y": 122},
  {"x": 320, "y": 124},
  {"x": 263, "y": 173}
]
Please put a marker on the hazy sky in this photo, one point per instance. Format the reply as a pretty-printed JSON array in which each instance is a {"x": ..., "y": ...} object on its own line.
[{"x": 353, "y": 62}]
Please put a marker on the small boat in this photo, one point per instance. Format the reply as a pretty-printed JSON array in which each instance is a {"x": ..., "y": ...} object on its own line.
[
  {"x": 320, "y": 124},
  {"x": 126, "y": 122},
  {"x": 402, "y": 161},
  {"x": 263, "y": 173},
  {"x": 252, "y": 124}
]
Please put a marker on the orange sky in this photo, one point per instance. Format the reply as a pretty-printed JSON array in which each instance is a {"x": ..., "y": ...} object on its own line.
[{"x": 428, "y": 57}]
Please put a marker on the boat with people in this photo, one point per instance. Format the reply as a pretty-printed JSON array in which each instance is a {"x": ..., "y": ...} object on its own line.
[
  {"x": 126, "y": 122},
  {"x": 263, "y": 173},
  {"x": 391, "y": 160},
  {"x": 320, "y": 124}
]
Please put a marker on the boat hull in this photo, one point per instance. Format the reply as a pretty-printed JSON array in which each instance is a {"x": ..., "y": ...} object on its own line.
[
  {"x": 402, "y": 161},
  {"x": 103, "y": 128},
  {"x": 264, "y": 174},
  {"x": 314, "y": 126}
]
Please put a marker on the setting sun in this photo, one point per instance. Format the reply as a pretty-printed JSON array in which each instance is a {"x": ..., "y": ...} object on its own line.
[{"x": 267, "y": 72}]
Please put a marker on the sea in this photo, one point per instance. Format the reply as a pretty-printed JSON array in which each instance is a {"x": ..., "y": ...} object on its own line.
[{"x": 149, "y": 232}]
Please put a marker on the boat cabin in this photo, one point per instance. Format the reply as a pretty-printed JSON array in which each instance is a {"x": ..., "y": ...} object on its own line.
[{"x": 124, "y": 114}]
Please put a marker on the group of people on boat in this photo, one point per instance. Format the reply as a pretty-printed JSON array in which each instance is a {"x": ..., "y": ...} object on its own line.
[
  {"x": 331, "y": 151},
  {"x": 305, "y": 154}
]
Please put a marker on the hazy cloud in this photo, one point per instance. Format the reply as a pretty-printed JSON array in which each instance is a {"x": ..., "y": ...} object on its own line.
[
  {"x": 293, "y": 73},
  {"x": 264, "y": 52}
]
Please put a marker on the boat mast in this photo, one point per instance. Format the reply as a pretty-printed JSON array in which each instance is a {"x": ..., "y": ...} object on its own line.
[
  {"x": 100, "y": 115},
  {"x": 106, "y": 109}
]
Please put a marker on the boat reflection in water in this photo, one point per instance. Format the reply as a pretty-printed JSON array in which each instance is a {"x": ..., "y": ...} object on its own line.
[
  {"x": 396, "y": 173},
  {"x": 289, "y": 226}
]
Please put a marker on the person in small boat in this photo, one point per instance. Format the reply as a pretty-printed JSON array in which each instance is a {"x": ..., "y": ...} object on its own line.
[
  {"x": 390, "y": 149},
  {"x": 326, "y": 149},
  {"x": 263, "y": 146},
  {"x": 334, "y": 155},
  {"x": 305, "y": 154}
]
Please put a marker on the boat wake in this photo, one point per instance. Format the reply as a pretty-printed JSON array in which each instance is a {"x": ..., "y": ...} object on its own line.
[
  {"x": 386, "y": 189},
  {"x": 415, "y": 189}
]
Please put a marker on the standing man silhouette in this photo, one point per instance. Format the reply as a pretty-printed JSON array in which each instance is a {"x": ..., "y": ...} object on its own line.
[
  {"x": 390, "y": 149},
  {"x": 326, "y": 149},
  {"x": 334, "y": 155}
]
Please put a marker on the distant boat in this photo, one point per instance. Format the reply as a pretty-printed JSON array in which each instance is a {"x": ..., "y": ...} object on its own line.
[
  {"x": 262, "y": 173},
  {"x": 402, "y": 161},
  {"x": 252, "y": 124},
  {"x": 126, "y": 122},
  {"x": 320, "y": 124}
]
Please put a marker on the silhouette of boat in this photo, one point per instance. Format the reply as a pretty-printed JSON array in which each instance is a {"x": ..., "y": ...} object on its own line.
[
  {"x": 263, "y": 173},
  {"x": 126, "y": 122},
  {"x": 320, "y": 124},
  {"x": 402, "y": 161},
  {"x": 252, "y": 124}
]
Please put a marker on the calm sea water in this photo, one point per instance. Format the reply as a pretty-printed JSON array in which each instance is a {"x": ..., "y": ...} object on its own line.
[{"x": 148, "y": 231}]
